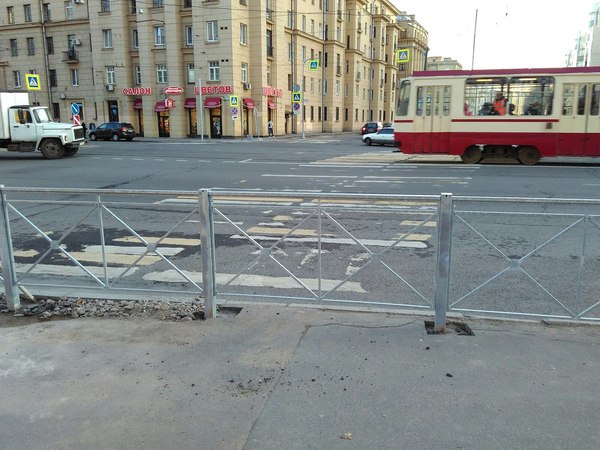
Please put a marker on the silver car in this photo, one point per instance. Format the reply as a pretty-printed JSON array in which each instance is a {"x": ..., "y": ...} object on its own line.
[{"x": 382, "y": 137}]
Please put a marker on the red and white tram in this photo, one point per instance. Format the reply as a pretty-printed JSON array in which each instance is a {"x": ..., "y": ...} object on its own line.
[{"x": 525, "y": 114}]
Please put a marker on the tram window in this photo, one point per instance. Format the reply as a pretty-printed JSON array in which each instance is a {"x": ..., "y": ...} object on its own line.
[
  {"x": 595, "y": 94},
  {"x": 420, "y": 94},
  {"x": 531, "y": 95},
  {"x": 403, "y": 96},
  {"x": 446, "y": 100},
  {"x": 481, "y": 92},
  {"x": 581, "y": 100},
  {"x": 568, "y": 96}
]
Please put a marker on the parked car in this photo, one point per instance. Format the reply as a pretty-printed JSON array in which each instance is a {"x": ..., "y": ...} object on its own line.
[
  {"x": 371, "y": 127},
  {"x": 382, "y": 137},
  {"x": 114, "y": 131}
]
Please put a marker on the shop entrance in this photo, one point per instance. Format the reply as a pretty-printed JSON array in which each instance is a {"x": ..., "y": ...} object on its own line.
[
  {"x": 164, "y": 129},
  {"x": 216, "y": 126},
  {"x": 113, "y": 111}
]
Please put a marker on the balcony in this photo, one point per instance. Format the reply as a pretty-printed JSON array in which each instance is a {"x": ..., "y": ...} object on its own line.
[{"x": 71, "y": 56}]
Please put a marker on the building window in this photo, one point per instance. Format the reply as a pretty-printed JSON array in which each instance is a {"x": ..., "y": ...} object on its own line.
[
  {"x": 30, "y": 46},
  {"x": 71, "y": 39},
  {"x": 269, "y": 73},
  {"x": 105, "y": 6},
  {"x": 27, "y": 12},
  {"x": 10, "y": 14},
  {"x": 159, "y": 36},
  {"x": 290, "y": 51},
  {"x": 212, "y": 30},
  {"x": 50, "y": 45},
  {"x": 52, "y": 77},
  {"x": 138, "y": 75},
  {"x": 110, "y": 75},
  {"x": 191, "y": 73},
  {"x": 69, "y": 9},
  {"x": 107, "y": 36},
  {"x": 161, "y": 73},
  {"x": 17, "y": 78},
  {"x": 135, "y": 39},
  {"x": 243, "y": 34},
  {"x": 157, "y": 3},
  {"x": 74, "y": 77},
  {"x": 14, "y": 48},
  {"x": 244, "y": 73},
  {"x": 47, "y": 12},
  {"x": 243, "y": 2},
  {"x": 304, "y": 23},
  {"x": 312, "y": 27},
  {"x": 290, "y": 19},
  {"x": 187, "y": 3},
  {"x": 56, "y": 110},
  {"x": 213, "y": 71},
  {"x": 189, "y": 36},
  {"x": 269, "y": 43}
]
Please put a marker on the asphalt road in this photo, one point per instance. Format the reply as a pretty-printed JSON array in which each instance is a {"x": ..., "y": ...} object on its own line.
[{"x": 322, "y": 163}]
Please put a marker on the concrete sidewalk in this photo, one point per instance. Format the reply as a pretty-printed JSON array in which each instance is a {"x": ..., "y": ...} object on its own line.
[{"x": 276, "y": 377}]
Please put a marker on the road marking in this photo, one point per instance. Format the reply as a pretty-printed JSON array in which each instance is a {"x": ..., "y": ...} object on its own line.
[
  {"x": 164, "y": 241},
  {"x": 345, "y": 241},
  {"x": 307, "y": 176},
  {"x": 172, "y": 276},
  {"x": 284, "y": 231},
  {"x": 414, "y": 223},
  {"x": 73, "y": 271}
]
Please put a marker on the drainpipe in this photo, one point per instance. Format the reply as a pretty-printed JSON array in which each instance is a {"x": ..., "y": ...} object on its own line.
[{"x": 44, "y": 46}]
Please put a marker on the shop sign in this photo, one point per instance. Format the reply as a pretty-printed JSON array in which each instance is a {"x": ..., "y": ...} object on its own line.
[
  {"x": 227, "y": 89},
  {"x": 173, "y": 90},
  {"x": 269, "y": 91},
  {"x": 137, "y": 91},
  {"x": 169, "y": 103}
]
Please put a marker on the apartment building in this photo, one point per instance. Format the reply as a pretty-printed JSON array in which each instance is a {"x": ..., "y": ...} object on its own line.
[{"x": 220, "y": 68}]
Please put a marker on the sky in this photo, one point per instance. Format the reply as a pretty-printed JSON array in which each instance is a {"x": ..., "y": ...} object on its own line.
[{"x": 510, "y": 33}]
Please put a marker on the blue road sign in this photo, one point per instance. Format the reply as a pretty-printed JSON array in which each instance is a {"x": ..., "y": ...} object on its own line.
[
  {"x": 296, "y": 97},
  {"x": 313, "y": 64},
  {"x": 74, "y": 108}
]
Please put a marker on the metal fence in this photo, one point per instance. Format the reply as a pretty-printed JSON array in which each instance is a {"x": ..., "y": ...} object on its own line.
[{"x": 514, "y": 257}]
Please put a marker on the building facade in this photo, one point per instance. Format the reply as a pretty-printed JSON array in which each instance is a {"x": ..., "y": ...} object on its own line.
[{"x": 217, "y": 68}]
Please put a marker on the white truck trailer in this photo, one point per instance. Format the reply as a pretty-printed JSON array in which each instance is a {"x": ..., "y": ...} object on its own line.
[{"x": 26, "y": 128}]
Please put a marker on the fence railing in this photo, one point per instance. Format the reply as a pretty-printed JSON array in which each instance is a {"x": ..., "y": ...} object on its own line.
[{"x": 438, "y": 254}]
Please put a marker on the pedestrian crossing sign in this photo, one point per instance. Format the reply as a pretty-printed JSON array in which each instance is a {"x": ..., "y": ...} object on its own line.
[
  {"x": 403, "y": 55},
  {"x": 296, "y": 97},
  {"x": 233, "y": 101},
  {"x": 313, "y": 64},
  {"x": 33, "y": 82}
]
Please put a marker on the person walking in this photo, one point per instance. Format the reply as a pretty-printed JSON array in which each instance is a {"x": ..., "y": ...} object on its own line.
[{"x": 270, "y": 128}]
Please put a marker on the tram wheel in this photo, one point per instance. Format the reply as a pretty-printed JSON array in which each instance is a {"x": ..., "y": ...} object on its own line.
[
  {"x": 529, "y": 155},
  {"x": 471, "y": 155}
]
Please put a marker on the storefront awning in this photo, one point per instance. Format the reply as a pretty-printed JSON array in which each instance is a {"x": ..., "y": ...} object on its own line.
[
  {"x": 137, "y": 104},
  {"x": 160, "y": 106},
  {"x": 190, "y": 103},
  {"x": 271, "y": 104},
  {"x": 212, "y": 102},
  {"x": 249, "y": 103}
]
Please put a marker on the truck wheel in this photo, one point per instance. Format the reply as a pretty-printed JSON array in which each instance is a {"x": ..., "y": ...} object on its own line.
[
  {"x": 52, "y": 149},
  {"x": 71, "y": 151}
]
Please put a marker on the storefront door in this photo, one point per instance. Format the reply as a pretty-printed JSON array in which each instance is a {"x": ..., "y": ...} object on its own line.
[{"x": 163, "y": 124}]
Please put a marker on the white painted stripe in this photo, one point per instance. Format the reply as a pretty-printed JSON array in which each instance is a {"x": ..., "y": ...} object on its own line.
[
  {"x": 132, "y": 250},
  {"x": 171, "y": 276},
  {"x": 345, "y": 241},
  {"x": 73, "y": 271},
  {"x": 308, "y": 176}
]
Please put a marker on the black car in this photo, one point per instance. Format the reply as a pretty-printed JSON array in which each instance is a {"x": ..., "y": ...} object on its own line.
[
  {"x": 371, "y": 127},
  {"x": 114, "y": 131}
]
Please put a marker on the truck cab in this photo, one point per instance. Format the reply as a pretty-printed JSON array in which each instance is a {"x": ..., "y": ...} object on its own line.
[{"x": 26, "y": 128}]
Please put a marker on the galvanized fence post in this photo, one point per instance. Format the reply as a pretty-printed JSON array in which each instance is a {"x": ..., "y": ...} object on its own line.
[
  {"x": 442, "y": 277},
  {"x": 207, "y": 244},
  {"x": 11, "y": 289}
]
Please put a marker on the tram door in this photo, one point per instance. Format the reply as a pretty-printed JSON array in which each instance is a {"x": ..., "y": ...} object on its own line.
[
  {"x": 432, "y": 124},
  {"x": 580, "y": 121}
]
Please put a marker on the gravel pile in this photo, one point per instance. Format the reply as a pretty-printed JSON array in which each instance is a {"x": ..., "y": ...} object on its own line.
[{"x": 75, "y": 308}]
